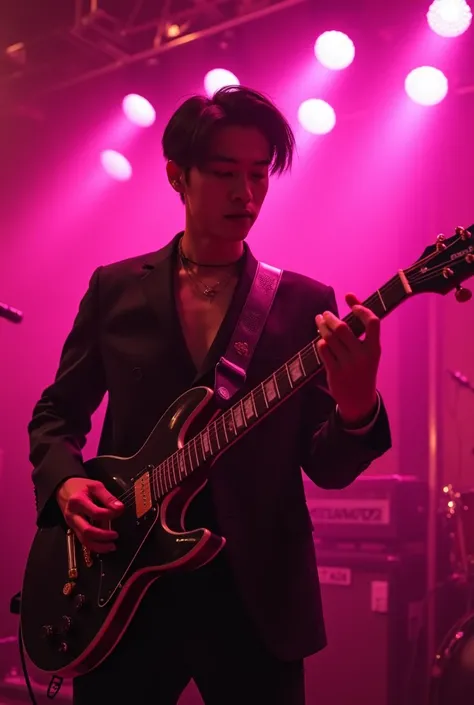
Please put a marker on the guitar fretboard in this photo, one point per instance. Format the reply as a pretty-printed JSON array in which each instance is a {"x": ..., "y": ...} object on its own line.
[{"x": 224, "y": 430}]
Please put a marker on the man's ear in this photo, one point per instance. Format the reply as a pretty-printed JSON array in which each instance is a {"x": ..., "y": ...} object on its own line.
[{"x": 175, "y": 176}]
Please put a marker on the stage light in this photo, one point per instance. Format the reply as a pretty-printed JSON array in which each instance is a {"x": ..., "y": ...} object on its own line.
[
  {"x": 116, "y": 165},
  {"x": 138, "y": 110},
  {"x": 218, "y": 78},
  {"x": 334, "y": 50},
  {"x": 316, "y": 116},
  {"x": 449, "y": 18},
  {"x": 426, "y": 85}
]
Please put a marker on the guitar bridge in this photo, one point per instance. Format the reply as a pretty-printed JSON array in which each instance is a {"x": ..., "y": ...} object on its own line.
[{"x": 143, "y": 496}]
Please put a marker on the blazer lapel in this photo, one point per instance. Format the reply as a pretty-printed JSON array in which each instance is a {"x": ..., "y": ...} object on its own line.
[
  {"x": 224, "y": 334},
  {"x": 157, "y": 279},
  {"x": 158, "y": 284}
]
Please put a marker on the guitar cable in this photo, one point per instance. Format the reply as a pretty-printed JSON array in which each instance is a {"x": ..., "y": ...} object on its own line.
[
  {"x": 54, "y": 685},
  {"x": 24, "y": 668}
]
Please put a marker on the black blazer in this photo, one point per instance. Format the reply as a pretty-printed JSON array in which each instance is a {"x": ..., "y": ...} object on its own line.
[{"x": 126, "y": 340}]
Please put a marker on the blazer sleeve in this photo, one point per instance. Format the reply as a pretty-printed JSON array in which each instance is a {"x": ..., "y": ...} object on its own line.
[
  {"x": 62, "y": 417},
  {"x": 332, "y": 456}
]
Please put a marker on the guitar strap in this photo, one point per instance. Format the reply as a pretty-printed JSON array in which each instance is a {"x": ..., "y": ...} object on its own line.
[{"x": 231, "y": 370}]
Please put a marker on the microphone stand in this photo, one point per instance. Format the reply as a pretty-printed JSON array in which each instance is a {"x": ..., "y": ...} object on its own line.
[
  {"x": 462, "y": 380},
  {"x": 11, "y": 314}
]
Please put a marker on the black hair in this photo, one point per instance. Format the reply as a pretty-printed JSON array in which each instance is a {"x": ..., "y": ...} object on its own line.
[{"x": 188, "y": 133}]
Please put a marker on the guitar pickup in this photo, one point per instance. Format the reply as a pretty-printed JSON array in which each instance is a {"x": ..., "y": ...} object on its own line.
[{"x": 143, "y": 496}]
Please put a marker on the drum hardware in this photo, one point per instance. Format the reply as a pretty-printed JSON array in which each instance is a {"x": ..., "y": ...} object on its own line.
[
  {"x": 452, "y": 674},
  {"x": 460, "y": 512}
]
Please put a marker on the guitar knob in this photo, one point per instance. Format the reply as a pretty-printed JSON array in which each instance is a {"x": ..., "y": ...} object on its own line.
[
  {"x": 462, "y": 295},
  {"x": 68, "y": 588},
  {"x": 63, "y": 647},
  {"x": 79, "y": 601},
  {"x": 66, "y": 624},
  {"x": 47, "y": 631}
]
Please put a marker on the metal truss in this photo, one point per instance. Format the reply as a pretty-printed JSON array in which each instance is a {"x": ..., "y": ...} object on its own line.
[{"x": 106, "y": 35}]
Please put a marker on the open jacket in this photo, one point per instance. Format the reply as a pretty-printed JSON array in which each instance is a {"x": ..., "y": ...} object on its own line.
[{"x": 127, "y": 341}]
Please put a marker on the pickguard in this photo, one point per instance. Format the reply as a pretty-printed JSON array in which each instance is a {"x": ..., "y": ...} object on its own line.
[{"x": 116, "y": 567}]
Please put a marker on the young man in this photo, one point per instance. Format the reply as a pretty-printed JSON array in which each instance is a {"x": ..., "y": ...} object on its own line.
[{"x": 148, "y": 329}]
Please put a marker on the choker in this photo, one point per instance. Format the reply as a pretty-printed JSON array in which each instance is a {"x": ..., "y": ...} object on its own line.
[{"x": 185, "y": 259}]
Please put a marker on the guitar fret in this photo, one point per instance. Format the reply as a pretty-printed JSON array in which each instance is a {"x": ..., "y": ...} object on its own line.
[
  {"x": 206, "y": 443},
  {"x": 213, "y": 435},
  {"x": 264, "y": 396},
  {"x": 221, "y": 419},
  {"x": 182, "y": 457},
  {"x": 194, "y": 441},
  {"x": 174, "y": 474},
  {"x": 191, "y": 466},
  {"x": 237, "y": 415},
  {"x": 284, "y": 383},
  {"x": 201, "y": 449},
  {"x": 160, "y": 480},
  {"x": 274, "y": 378},
  {"x": 242, "y": 411},
  {"x": 249, "y": 408},
  {"x": 295, "y": 370},
  {"x": 300, "y": 358},
  {"x": 253, "y": 404},
  {"x": 259, "y": 401},
  {"x": 163, "y": 478},
  {"x": 288, "y": 375},
  {"x": 315, "y": 351},
  {"x": 270, "y": 390},
  {"x": 228, "y": 420},
  {"x": 181, "y": 464},
  {"x": 169, "y": 470}
]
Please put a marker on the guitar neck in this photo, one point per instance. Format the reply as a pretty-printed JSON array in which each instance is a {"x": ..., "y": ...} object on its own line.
[{"x": 254, "y": 406}]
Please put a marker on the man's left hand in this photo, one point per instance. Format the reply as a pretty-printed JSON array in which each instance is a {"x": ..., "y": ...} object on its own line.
[{"x": 351, "y": 364}]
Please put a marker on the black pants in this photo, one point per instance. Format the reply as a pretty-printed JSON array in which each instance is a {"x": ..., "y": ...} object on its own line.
[{"x": 192, "y": 627}]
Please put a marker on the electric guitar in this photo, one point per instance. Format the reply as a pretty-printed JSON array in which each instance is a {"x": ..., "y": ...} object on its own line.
[{"x": 75, "y": 605}]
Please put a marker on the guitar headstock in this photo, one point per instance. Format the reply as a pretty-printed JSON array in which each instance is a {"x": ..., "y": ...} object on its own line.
[{"x": 444, "y": 265}]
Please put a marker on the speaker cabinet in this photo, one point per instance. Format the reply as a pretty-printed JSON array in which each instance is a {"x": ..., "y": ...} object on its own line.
[{"x": 374, "y": 608}]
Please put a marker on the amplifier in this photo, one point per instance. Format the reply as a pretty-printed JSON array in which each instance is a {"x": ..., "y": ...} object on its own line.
[
  {"x": 374, "y": 613},
  {"x": 372, "y": 508}
]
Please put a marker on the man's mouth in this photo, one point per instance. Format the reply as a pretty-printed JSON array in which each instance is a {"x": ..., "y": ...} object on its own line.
[{"x": 239, "y": 216}]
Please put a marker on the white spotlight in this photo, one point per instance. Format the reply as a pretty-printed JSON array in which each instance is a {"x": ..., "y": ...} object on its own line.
[
  {"x": 334, "y": 50},
  {"x": 449, "y": 18},
  {"x": 316, "y": 116}
]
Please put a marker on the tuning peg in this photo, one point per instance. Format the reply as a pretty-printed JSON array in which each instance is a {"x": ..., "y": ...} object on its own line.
[
  {"x": 462, "y": 295},
  {"x": 463, "y": 233}
]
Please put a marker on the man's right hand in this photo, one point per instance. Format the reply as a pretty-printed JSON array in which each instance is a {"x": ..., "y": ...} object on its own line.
[{"x": 82, "y": 500}]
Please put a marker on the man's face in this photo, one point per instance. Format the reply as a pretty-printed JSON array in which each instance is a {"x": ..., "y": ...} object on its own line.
[{"x": 224, "y": 197}]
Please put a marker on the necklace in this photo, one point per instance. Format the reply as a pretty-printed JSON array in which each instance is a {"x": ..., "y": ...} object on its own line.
[{"x": 209, "y": 291}]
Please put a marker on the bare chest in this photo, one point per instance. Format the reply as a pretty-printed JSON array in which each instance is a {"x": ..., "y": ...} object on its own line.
[{"x": 201, "y": 319}]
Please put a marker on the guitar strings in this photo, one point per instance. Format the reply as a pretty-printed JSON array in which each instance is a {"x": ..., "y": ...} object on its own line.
[
  {"x": 128, "y": 497},
  {"x": 167, "y": 465}
]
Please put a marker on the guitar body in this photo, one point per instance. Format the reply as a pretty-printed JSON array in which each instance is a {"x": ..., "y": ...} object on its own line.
[{"x": 75, "y": 606}]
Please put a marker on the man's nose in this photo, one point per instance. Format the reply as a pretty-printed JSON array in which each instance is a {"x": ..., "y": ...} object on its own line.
[{"x": 243, "y": 190}]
